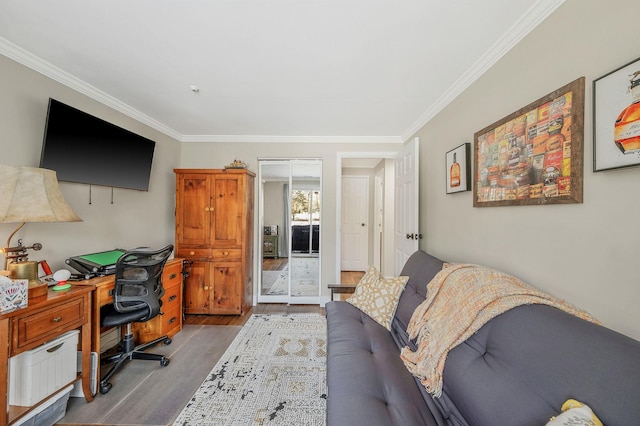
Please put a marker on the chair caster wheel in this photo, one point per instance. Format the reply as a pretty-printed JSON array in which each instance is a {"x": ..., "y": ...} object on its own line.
[
  {"x": 164, "y": 361},
  {"x": 105, "y": 387},
  {"x": 167, "y": 341}
]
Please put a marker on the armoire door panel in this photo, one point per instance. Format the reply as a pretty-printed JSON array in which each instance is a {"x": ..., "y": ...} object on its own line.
[
  {"x": 198, "y": 289},
  {"x": 227, "y": 288},
  {"x": 194, "y": 202},
  {"x": 228, "y": 204}
]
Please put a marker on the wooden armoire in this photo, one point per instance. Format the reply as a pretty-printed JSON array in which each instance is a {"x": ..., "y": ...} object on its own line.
[{"x": 214, "y": 234}]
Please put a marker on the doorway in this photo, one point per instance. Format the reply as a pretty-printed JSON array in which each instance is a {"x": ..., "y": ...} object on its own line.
[
  {"x": 290, "y": 218},
  {"x": 379, "y": 167}
]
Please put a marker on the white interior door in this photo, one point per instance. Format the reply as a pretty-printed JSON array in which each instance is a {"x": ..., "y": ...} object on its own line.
[
  {"x": 406, "y": 232},
  {"x": 355, "y": 226}
]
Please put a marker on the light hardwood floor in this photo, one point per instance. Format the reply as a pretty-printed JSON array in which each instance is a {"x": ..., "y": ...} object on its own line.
[
  {"x": 146, "y": 394},
  {"x": 263, "y": 308},
  {"x": 141, "y": 394},
  {"x": 346, "y": 277}
]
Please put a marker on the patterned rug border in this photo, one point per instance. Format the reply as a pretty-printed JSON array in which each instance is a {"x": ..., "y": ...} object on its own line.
[{"x": 271, "y": 374}]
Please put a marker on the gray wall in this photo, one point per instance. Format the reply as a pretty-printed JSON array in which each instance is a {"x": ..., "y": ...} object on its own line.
[
  {"x": 134, "y": 219},
  {"x": 584, "y": 253}
]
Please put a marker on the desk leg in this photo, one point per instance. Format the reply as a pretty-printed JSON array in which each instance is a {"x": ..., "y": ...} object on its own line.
[
  {"x": 4, "y": 369},
  {"x": 86, "y": 357}
]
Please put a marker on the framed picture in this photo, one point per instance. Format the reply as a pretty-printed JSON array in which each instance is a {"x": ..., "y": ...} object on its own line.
[
  {"x": 535, "y": 155},
  {"x": 616, "y": 118},
  {"x": 458, "y": 169},
  {"x": 270, "y": 230}
]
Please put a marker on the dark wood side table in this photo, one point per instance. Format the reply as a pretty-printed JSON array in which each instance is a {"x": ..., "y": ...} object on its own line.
[{"x": 342, "y": 289}]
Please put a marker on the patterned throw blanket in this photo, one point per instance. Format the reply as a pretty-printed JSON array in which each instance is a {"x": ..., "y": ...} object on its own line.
[{"x": 461, "y": 298}]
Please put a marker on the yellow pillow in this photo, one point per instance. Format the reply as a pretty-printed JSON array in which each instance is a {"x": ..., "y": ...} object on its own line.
[
  {"x": 377, "y": 296},
  {"x": 575, "y": 413}
]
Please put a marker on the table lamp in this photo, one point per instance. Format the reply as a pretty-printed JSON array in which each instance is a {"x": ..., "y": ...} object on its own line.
[{"x": 29, "y": 194}]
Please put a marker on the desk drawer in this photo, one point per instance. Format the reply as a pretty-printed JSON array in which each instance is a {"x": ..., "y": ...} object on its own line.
[
  {"x": 105, "y": 293},
  {"x": 45, "y": 325},
  {"x": 171, "y": 321},
  {"x": 172, "y": 296},
  {"x": 172, "y": 274}
]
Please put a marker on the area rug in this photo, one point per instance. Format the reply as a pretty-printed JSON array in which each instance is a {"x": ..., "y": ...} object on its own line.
[
  {"x": 274, "y": 373},
  {"x": 304, "y": 278}
]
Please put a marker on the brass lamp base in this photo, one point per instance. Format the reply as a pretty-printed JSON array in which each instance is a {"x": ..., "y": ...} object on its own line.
[{"x": 29, "y": 271}]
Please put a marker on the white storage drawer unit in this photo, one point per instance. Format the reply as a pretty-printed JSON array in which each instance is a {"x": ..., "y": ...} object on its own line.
[{"x": 36, "y": 374}]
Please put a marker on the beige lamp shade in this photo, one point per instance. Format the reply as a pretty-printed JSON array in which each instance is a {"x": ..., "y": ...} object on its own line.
[{"x": 31, "y": 194}]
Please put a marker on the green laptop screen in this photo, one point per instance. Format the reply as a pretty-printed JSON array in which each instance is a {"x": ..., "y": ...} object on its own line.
[{"x": 104, "y": 258}]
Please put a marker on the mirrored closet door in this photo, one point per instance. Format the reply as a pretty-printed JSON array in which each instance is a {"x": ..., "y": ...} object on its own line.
[{"x": 290, "y": 216}]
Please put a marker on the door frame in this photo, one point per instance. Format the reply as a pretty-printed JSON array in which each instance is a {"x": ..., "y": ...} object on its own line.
[
  {"x": 383, "y": 155},
  {"x": 378, "y": 218},
  {"x": 407, "y": 219}
]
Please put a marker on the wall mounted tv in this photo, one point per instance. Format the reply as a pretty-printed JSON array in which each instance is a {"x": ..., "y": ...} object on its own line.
[{"x": 85, "y": 149}]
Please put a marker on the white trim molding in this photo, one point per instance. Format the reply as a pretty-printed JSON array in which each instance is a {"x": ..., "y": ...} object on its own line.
[{"x": 535, "y": 15}]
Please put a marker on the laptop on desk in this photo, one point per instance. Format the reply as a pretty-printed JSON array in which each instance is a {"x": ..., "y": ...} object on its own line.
[{"x": 100, "y": 263}]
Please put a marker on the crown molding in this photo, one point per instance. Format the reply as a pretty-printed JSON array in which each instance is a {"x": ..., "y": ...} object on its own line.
[
  {"x": 291, "y": 139},
  {"x": 536, "y": 14},
  {"x": 45, "y": 68},
  {"x": 520, "y": 29}
]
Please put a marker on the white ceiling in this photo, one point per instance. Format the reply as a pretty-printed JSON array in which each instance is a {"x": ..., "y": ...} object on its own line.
[{"x": 269, "y": 70}]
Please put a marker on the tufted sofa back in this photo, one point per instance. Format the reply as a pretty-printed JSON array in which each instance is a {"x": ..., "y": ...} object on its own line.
[{"x": 521, "y": 366}]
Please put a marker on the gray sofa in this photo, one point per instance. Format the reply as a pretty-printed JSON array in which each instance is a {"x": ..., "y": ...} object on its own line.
[{"x": 517, "y": 369}]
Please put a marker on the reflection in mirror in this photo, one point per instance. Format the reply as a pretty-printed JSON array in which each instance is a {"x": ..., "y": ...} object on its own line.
[
  {"x": 305, "y": 229},
  {"x": 290, "y": 197},
  {"x": 275, "y": 177}
]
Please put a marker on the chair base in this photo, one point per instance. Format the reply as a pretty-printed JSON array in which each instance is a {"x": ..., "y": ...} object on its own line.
[{"x": 127, "y": 351}]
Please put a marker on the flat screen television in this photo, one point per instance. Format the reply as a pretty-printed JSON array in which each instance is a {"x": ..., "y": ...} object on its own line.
[{"x": 85, "y": 149}]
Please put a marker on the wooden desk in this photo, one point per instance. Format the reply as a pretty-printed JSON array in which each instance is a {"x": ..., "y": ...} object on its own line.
[
  {"x": 342, "y": 289},
  {"x": 168, "y": 324},
  {"x": 44, "y": 319}
]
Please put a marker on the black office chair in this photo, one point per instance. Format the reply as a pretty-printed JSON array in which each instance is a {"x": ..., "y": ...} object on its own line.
[{"x": 136, "y": 298}]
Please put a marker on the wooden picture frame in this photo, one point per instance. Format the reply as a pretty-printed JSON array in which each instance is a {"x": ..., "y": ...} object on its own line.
[
  {"x": 616, "y": 144},
  {"x": 458, "y": 169},
  {"x": 534, "y": 156}
]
